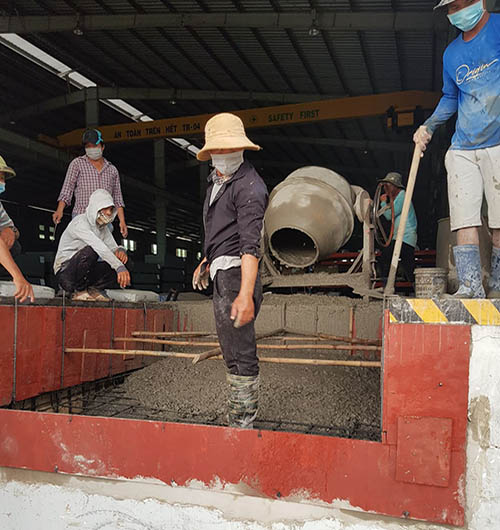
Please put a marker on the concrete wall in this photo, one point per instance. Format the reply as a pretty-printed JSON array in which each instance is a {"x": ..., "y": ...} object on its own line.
[
  {"x": 302, "y": 313},
  {"x": 42, "y": 500}
]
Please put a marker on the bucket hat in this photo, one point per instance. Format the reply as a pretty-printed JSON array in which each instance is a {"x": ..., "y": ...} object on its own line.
[
  {"x": 6, "y": 169},
  {"x": 394, "y": 178},
  {"x": 225, "y": 131},
  {"x": 443, "y": 3},
  {"x": 92, "y": 136}
]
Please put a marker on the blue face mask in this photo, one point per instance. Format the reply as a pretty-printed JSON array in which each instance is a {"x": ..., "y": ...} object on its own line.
[
  {"x": 2, "y": 187},
  {"x": 468, "y": 17}
]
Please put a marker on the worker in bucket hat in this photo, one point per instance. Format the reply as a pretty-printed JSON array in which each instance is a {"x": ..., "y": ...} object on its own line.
[
  {"x": 395, "y": 191},
  {"x": 233, "y": 215},
  {"x": 471, "y": 88},
  {"x": 88, "y": 173},
  {"x": 8, "y": 241}
]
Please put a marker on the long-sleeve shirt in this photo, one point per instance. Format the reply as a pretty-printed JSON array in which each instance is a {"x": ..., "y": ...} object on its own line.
[
  {"x": 5, "y": 220},
  {"x": 82, "y": 179},
  {"x": 233, "y": 220},
  {"x": 471, "y": 86},
  {"x": 410, "y": 235}
]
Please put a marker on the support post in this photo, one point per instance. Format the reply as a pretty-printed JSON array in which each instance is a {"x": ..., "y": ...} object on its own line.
[
  {"x": 160, "y": 203},
  {"x": 91, "y": 108}
]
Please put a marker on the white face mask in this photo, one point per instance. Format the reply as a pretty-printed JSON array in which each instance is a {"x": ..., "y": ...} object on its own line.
[
  {"x": 103, "y": 219},
  {"x": 94, "y": 153},
  {"x": 228, "y": 163}
]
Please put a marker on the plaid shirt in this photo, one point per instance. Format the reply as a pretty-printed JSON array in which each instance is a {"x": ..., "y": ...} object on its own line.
[{"x": 82, "y": 179}]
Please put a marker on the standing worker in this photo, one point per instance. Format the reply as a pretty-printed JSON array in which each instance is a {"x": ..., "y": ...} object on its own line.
[
  {"x": 88, "y": 173},
  {"x": 394, "y": 189},
  {"x": 471, "y": 87},
  {"x": 233, "y": 215},
  {"x": 8, "y": 240}
]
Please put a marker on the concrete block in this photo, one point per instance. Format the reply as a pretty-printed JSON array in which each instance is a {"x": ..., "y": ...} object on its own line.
[
  {"x": 270, "y": 318},
  {"x": 41, "y": 292},
  {"x": 302, "y": 318},
  {"x": 132, "y": 295}
]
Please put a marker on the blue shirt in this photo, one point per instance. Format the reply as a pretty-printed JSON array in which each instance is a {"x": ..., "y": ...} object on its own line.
[
  {"x": 471, "y": 85},
  {"x": 410, "y": 236}
]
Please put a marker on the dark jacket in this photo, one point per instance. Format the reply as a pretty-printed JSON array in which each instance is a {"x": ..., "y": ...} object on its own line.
[{"x": 233, "y": 222}]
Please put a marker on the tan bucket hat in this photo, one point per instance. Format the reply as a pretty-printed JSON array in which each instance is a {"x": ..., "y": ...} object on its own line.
[
  {"x": 6, "y": 169},
  {"x": 225, "y": 131}
]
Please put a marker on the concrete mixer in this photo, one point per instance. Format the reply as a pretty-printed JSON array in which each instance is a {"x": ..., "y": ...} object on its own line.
[{"x": 310, "y": 216}]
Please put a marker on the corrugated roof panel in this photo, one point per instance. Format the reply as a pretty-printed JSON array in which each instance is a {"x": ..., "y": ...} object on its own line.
[
  {"x": 417, "y": 58},
  {"x": 383, "y": 62}
]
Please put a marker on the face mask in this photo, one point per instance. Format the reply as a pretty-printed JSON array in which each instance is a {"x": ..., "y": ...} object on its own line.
[
  {"x": 103, "y": 219},
  {"x": 2, "y": 187},
  {"x": 468, "y": 17},
  {"x": 94, "y": 153},
  {"x": 229, "y": 163}
]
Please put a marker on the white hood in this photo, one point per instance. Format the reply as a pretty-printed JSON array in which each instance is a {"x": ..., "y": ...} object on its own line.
[{"x": 98, "y": 200}]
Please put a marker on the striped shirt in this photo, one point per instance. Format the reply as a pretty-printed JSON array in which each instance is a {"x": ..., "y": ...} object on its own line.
[{"x": 82, "y": 179}]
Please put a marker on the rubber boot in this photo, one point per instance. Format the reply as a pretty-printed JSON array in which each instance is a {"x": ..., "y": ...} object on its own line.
[
  {"x": 468, "y": 263},
  {"x": 494, "y": 283},
  {"x": 243, "y": 400}
]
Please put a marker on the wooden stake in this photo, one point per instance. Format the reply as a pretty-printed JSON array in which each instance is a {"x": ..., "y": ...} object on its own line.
[
  {"x": 259, "y": 346},
  {"x": 274, "y": 360},
  {"x": 172, "y": 334}
]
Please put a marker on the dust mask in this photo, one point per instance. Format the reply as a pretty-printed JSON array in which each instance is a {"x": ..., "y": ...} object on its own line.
[
  {"x": 103, "y": 219},
  {"x": 94, "y": 153},
  {"x": 2, "y": 187},
  {"x": 468, "y": 17},
  {"x": 228, "y": 163}
]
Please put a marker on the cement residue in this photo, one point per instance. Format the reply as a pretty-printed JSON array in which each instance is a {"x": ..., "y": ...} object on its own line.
[
  {"x": 479, "y": 413},
  {"x": 328, "y": 396}
]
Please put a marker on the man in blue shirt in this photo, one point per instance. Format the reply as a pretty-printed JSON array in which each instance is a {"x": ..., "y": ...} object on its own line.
[
  {"x": 394, "y": 190},
  {"x": 471, "y": 87}
]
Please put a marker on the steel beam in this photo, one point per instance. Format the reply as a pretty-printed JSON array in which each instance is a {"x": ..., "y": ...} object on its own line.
[
  {"x": 275, "y": 116},
  {"x": 362, "y": 145},
  {"x": 169, "y": 94},
  {"x": 324, "y": 20}
]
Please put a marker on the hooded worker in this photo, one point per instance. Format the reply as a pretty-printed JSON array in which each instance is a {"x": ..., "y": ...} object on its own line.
[
  {"x": 8, "y": 240},
  {"x": 471, "y": 88},
  {"x": 86, "y": 239},
  {"x": 233, "y": 215}
]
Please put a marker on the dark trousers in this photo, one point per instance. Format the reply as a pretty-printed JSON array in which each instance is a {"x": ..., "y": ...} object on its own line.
[
  {"x": 84, "y": 270},
  {"x": 406, "y": 263},
  {"x": 237, "y": 344}
]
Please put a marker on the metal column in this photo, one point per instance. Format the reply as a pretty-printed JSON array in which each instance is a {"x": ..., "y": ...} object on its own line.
[{"x": 160, "y": 203}]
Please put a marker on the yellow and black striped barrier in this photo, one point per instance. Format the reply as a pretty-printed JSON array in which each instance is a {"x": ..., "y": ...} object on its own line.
[{"x": 444, "y": 310}]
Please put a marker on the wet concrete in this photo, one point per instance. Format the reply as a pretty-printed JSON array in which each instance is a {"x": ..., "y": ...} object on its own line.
[{"x": 316, "y": 395}]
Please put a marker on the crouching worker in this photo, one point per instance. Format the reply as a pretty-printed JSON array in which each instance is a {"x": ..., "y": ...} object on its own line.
[
  {"x": 233, "y": 215},
  {"x": 86, "y": 239}
]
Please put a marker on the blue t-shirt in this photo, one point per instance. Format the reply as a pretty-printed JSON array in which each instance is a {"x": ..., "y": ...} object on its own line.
[
  {"x": 410, "y": 236},
  {"x": 471, "y": 85}
]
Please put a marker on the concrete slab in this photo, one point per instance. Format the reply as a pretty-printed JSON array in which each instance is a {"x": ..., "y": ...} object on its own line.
[
  {"x": 132, "y": 295},
  {"x": 8, "y": 289}
]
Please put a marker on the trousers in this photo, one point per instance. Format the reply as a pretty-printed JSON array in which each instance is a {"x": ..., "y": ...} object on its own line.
[
  {"x": 238, "y": 345},
  {"x": 84, "y": 270}
]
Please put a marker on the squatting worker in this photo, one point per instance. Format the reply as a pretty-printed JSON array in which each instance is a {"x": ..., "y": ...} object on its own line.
[
  {"x": 88, "y": 173},
  {"x": 88, "y": 260},
  {"x": 471, "y": 87},
  {"x": 8, "y": 240},
  {"x": 394, "y": 189},
  {"x": 233, "y": 215}
]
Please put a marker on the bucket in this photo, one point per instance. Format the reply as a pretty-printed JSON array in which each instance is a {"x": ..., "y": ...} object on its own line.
[{"x": 430, "y": 282}]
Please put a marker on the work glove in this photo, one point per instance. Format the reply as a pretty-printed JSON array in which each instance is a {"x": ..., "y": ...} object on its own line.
[
  {"x": 201, "y": 276},
  {"x": 422, "y": 137}
]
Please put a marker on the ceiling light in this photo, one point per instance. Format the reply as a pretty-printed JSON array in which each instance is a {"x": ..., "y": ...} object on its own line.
[
  {"x": 173, "y": 102},
  {"x": 314, "y": 31},
  {"x": 77, "y": 30}
]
